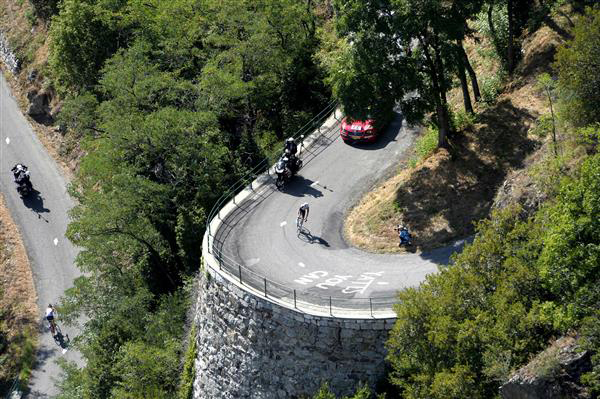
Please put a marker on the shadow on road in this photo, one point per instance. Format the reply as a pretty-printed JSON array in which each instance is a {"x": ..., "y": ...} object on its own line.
[
  {"x": 300, "y": 186},
  {"x": 305, "y": 235},
  {"x": 442, "y": 256},
  {"x": 35, "y": 202}
]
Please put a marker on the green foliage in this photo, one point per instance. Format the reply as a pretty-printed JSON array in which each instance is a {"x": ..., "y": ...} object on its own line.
[
  {"x": 462, "y": 120},
  {"x": 465, "y": 328},
  {"x": 590, "y": 332},
  {"x": 17, "y": 348},
  {"x": 188, "y": 374},
  {"x": 363, "y": 392},
  {"x": 491, "y": 87},
  {"x": 45, "y": 8},
  {"x": 81, "y": 40},
  {"x": 543, "y": 126},
  {"x": 426, "y": 144},
  {"x": 497, "y": 32},
  {"x": 30, "y": 16},
  {"x": 170, "y": 101},
  {"x": 590, "y": 136},
  {"x": 570, "y": 259},
  {"x": 381, "y": 54},
  {"x": 146, "y": 371},
  {"x": 577, "y": 64},
  {"x": 520, "y": 283}
]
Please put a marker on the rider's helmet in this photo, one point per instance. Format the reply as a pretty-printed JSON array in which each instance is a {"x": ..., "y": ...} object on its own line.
[
  {"x": 304, "y": 206},
  {"x": 289, "y": 140}
]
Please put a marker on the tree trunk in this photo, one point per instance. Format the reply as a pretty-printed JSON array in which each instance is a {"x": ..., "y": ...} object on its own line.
[
  {"x": 510, "y": 51},
  {"x": 472, "y": 75},
  {"x": 444, "y": 125},
  {"x": 491, "y": 20},
  {"x": 436, "y": 74},
  {"x": 463, "y": 80},
  {"x": 549, "y": 94}
]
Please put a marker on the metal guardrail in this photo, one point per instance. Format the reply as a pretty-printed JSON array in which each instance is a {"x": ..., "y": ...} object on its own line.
[
  {"x": 270, "y": 289},
  {"x": 14, "y": 392}
]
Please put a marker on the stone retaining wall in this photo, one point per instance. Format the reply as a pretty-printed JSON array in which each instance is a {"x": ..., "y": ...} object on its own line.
[
  {"x": 7, "y": 56},
  {"x": 250, "y": 347}
]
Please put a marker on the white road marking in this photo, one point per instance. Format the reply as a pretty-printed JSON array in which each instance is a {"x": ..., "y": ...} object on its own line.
[
  {"x": 316, "y": 183},
  {"x": 282, "y": 223},
  {"x": 301, "y": 264},
  {"x": 383, "y": 283},
  {"x": 55, "y": 241},
  {"x": 252, "y": 261},
  {"x": 7, "y": 140}
]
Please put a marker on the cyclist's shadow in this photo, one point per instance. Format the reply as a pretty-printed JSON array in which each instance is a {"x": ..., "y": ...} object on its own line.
[
  {"x": 61, "y": 340},
  {"x": 305, "y": 235}
]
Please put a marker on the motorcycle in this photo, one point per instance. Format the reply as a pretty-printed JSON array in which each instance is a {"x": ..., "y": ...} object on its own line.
[
  {"x": 21, "y": 177},
  {"x": 287, "y": 166},
  {"x": 283, "y": 171}
]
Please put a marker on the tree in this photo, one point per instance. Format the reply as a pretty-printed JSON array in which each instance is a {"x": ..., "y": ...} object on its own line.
[
  {"x": 578, "y": 79},
  {"x": 466, "y": 328},
  {"x": 388, "y": 51},
  {"x": 546, "y": 84}
]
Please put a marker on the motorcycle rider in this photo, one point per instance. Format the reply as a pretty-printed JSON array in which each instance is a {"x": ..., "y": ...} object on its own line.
[
  {"x": 290, "y": 151},
  {"x": 20, "y": 174},
  {"x": 290, "y": 144},
  {"x": 403, "y": 235}
]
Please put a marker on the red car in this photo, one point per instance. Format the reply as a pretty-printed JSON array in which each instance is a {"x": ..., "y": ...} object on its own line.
[
  {"x": 365, "y": 131},
  {"x": 358, "y": 131}
]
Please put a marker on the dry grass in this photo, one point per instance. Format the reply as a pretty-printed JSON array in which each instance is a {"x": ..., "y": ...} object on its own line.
[
  {"x": 18, "y": 309},
  {"x": 441, "y": 197}
]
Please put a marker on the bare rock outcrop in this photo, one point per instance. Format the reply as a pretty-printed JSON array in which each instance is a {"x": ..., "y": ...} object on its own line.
[{"x": 552, "y": 374}]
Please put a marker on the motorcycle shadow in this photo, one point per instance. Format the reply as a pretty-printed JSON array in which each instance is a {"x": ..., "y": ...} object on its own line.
[
  {"x": 300, "y": 186},
  {"x": 35, "y": 202}
]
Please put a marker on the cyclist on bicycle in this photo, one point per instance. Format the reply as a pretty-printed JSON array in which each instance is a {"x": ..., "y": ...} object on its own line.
[
  {"x": 303, "y": 212},
  {"x": 50, "y": 313}
]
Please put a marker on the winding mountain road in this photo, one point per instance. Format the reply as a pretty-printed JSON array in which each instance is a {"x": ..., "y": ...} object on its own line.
[
  {"x": 42, "y": 219},
  {"x": 260, "y": 234}
]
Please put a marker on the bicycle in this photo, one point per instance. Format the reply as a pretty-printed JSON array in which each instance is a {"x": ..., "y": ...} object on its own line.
[
  {"x": 299, "y": 224},
  {"x": 53, "y": 327}
]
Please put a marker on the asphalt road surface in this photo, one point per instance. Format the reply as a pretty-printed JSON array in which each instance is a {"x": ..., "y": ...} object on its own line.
[
  {"x": 261, "y": 235},
  {"x": 42, "y": 220}
]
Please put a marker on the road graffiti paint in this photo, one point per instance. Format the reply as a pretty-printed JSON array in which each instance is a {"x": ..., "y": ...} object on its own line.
[
  {"x": 55, "y": 241},
  {"x": 7, "y": 141},
  {"x": 361, "y": 283},
  {"x": 301, "y": 264},
  {"x": 311, "y": 277},
  {"x": 332, "y": 282},
  {"x": 282, "y": 224}
]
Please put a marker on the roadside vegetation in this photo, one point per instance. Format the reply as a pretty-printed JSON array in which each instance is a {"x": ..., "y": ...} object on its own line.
[
  {"x": 531, "y": 274},
  {"x": 159, "y": 106},
  {"x": 164, "y": 103},
  {"x": 440, "y": 192},
  {"x": 19, "y": 317}
]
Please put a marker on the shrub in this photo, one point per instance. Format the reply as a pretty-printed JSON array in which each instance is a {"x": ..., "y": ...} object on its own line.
[
  {"x": 427, "y": 144},
  {"x": 462, "y": 120}
]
